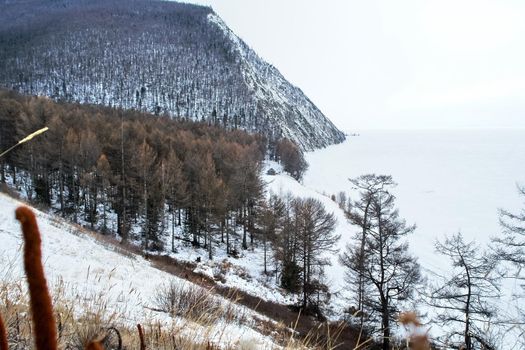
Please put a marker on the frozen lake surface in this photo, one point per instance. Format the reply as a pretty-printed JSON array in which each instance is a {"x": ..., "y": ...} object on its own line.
[{"x": 448, "y": 180}]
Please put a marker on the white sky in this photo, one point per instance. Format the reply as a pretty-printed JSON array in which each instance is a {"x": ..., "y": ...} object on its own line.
[{"x": 394, "y": 64}]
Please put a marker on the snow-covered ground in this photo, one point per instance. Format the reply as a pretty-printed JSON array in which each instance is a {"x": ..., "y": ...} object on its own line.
[
  {"x": 89, "y": 268},
  {"x": 448, "y": 182},
  {"x": 282, "y": 184},
  {"x": 244, "y": 273}
]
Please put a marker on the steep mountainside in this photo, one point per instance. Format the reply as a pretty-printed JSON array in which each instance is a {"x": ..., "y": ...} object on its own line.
[{"x": 156, "y": 56}]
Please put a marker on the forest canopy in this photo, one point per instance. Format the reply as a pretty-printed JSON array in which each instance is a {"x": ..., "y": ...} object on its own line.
[
  {"x": 95, "y": 160},
  {"x": 152, "y": 180}
]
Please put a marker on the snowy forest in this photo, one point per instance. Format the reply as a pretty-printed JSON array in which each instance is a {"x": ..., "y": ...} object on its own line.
[
  {"x": 157, "y": 57},
  {"x": 171, "y": 149},
  {"x": 152, "y": 181}
]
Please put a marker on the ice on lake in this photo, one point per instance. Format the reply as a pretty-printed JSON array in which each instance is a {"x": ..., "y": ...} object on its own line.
[{"x": 448, "y": 180}]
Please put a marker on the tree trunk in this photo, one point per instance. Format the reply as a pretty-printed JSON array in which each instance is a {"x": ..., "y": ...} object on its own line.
[
  {"x": 468, "y": 338},
  {"x": 250, "y": 224},
  {"x": 172, "y": 231},
  {"x": 386, "y": 326},
  {"x": 210, "y": 251},
  {"x": 123, "y": 220},
  {"x": 361, "y": 282},
  {"x": 123, "y": 223},
  {"x": 305, "y": 276},
  {"x": 61, "y": 184},
  {"x": 265, "y": 252},
  {"x": 14, "y": 176},
  {"x": 104, "y": 214},
  {"x": 2, "y": 172},
  {"x": 244, "y": 242},
  {"x": 146, "y": 231},
  {"x": 227, "y": 238},
  {"x": 222, "y": 230}
]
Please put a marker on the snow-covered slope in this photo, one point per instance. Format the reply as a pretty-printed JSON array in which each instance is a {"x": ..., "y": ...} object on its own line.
[
  {"x": 285, "y": 105},
  {"x": 283, "y": 184},
  {"x": 156, "y": 56},
  {"x": 83, "y": 266}
]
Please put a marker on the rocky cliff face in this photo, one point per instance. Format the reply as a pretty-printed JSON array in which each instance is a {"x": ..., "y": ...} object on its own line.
[{"x": 161, "y": 57}]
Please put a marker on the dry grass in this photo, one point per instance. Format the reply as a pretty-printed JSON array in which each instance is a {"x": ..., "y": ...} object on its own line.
[
  {"x": 87, "y": 318},
  {"x": 194, "y": 327},
  {"x": 201, "y": 320},
  {"x": 198, "y": 304}
]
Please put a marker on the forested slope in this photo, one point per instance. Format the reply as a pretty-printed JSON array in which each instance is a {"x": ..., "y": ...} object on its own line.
[
  {"x": 154, "y": 56},
  {"x": 120, "y": 171}
]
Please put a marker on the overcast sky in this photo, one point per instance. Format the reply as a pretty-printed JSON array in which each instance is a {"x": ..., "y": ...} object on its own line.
[{"x": 394, "y": 64}]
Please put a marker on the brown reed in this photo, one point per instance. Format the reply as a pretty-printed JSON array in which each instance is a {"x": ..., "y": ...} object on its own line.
[
  {"x": 141, "y": 336},
  {"x": 41, "y": 306},
  {"x": 94, "y": 345},
  {"x": 3, "y": 335}
]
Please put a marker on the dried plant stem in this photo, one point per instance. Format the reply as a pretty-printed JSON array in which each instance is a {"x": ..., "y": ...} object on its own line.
[
  {"x": 24, "y": 140},
  {"x": 141, "y": 336},
  {"x": 3, "y": 335},
  {"x": 41, "y": 306},
  {"x": 94, "y": 345}
]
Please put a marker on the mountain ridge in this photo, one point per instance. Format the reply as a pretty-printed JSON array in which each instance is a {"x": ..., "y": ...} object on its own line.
[{"x": 160, "y": 57}]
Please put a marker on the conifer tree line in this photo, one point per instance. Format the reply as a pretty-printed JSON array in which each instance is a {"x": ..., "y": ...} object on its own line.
[
  {"x": 153, "y": 180},
  {"x": 133, "y": 174}
]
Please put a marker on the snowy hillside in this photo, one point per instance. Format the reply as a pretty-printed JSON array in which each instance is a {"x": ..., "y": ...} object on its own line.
[
  {"x": 85, "y": 268},
  {"x": 247, "y": 273},
  {"x": 448, "y": 182},
  {"x": 439, "y": 201},
  {"x": 159, "y": 57}
]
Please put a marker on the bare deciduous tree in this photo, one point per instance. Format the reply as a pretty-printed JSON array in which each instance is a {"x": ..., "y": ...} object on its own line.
[
  {"x": 463, "y": 296},
  {"x": 303, "y": 246},
  {"x": 359, "y": 214},
  {"x": 509, "y": 248},
  {"x": 380, "y": 258},
  {"x": 511, "y": 245}
]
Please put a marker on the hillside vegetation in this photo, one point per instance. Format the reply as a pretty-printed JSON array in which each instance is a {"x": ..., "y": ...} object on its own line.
[
  {"x": 154, "y": 182},
  {"x": 160, "y": 57}
]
